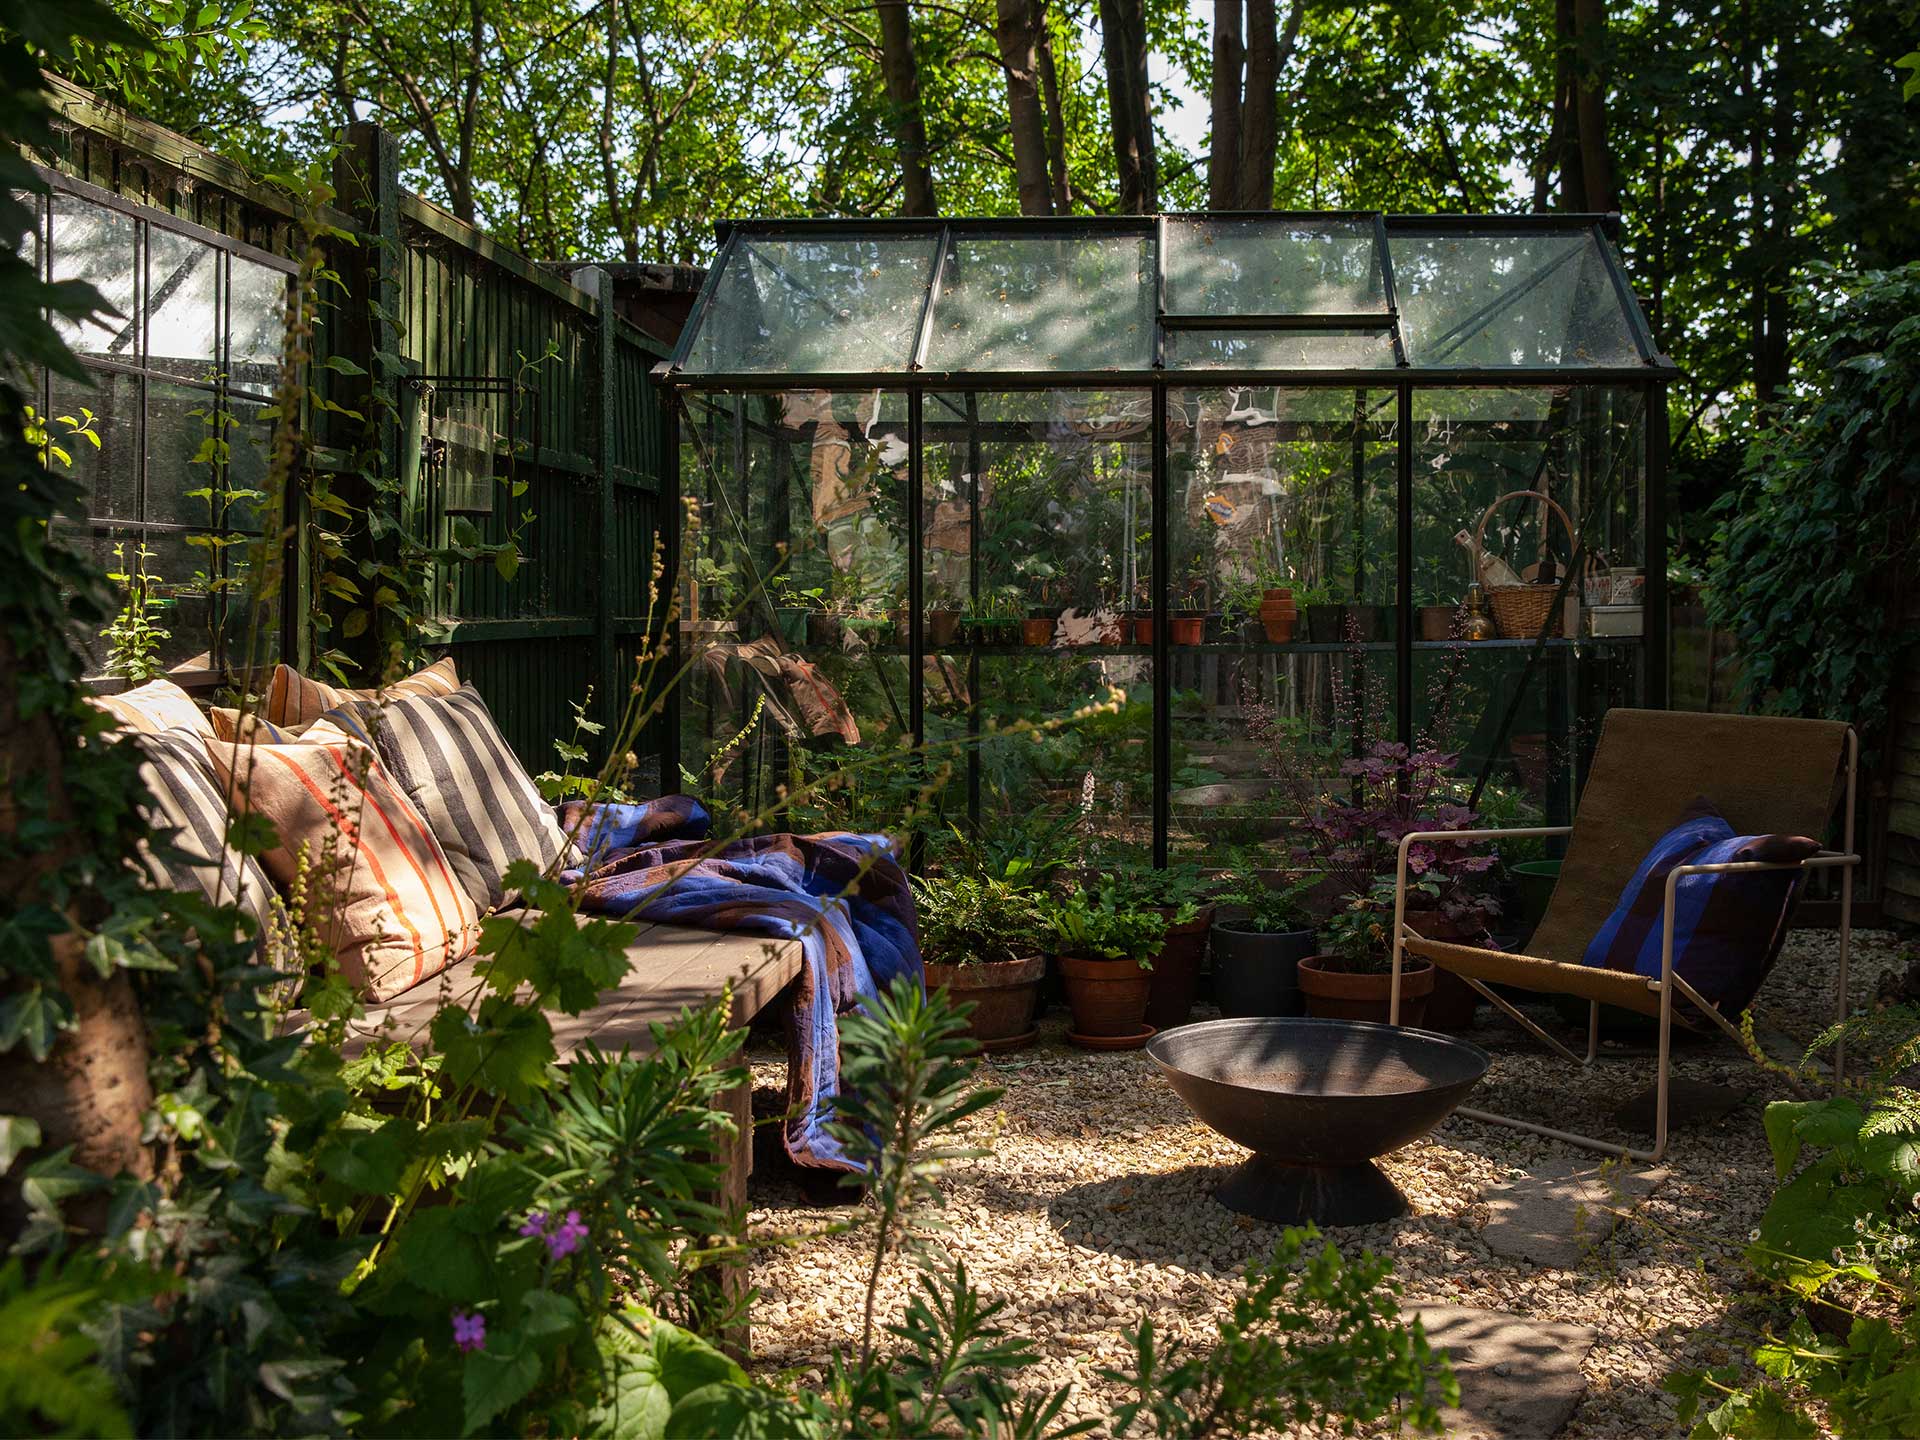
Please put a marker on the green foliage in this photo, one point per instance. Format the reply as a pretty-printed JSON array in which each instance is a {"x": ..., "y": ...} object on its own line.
[
  {"x": 1313, "y": 1337},
  {"x": 1359, "y": 935},
  {"x": 977, "y": 920},
  {"x": 1100, "y": 925},
  {"x": 1840, "y": 1232},
  {"x": 1274, "y": 909},
  {"x": 51, "y": 1381},
  {"x": 1811, "y": 545},
  {"x": 133, "y": 640}
]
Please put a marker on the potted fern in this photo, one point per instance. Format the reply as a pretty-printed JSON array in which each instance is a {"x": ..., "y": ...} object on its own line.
[
  {"x": 1260, "y": 935},
  {"x": 1180, "y": 897},
  {"x": 1106, "y": 947},
  {"x": 984, "y": 941}
]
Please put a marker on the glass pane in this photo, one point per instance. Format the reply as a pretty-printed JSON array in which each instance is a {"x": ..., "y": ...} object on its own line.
[
  {"x": 1277, "y": 350},
  {"x": 184, "y": 444},
  {"x": 249, "y": 453},
  {"x": 110, "y": 471},
  {"x": 1500, "y": 300},
  {"x": 797, "y": 617},
  {"x": 1038, "y": 554},
  {"x": 97, "y": 245},
  {"x": 180, "y": 595},
  {"x": 183, "y": 285},
  {"x": 1272, "y": 267},
  {"x": 256, "y": 325},
  {"x": 1276, "y": 490},
  {"x": 1058, "y": 302},
  {"x": 791, "y": 305},
  {"x": 1584, "y": 447}
]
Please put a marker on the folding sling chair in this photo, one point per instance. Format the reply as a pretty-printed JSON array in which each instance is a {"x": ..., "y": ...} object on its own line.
[{"x": 1766, "y": 775}]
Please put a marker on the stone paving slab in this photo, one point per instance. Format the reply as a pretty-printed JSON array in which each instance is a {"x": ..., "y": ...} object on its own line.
[
  {"x": 1689, "y": 1102},
  {"x": 1558, "y": 1212},
  {"x": 1520, "y": 1378}
]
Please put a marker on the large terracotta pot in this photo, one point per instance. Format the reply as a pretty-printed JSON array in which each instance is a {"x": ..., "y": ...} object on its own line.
[
  {"x": 1176, "y": 970},
  {"x": 1337, "y": 995},
  {"x": 1279, "y": 615},
  {"x": 1005, "y": 994},
  {"x": 1453, "y": 1002},
  {"x": 1143, "y": 629},
  {"x": 1037, "y": 630},
  {"x": 1108, "y": 997},
  {"x": 1186, "y": 629}
]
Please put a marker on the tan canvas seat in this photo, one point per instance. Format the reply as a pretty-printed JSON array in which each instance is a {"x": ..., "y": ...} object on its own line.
[{"x": 1765, "y": 774}]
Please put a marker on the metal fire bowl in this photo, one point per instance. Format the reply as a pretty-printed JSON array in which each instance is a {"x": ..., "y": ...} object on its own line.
[{"x": 1316, "y": 1101}]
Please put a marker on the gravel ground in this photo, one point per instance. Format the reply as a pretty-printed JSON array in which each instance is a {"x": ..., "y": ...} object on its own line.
[{"x": 1095, "y": 1210}]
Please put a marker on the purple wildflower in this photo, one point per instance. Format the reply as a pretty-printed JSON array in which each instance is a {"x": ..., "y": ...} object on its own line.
[
  {"x": 566, "y": 1239},
  {"x": 536, "y": 1224},
  {"x": 469, "y": 1330}
]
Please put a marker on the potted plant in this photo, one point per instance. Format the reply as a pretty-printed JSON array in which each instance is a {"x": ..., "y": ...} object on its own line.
[
  {"x": 1352, "y": 977},
  {"x": 1279, "y": 611},
  {"x": 983, "y": 941},
  {"x": 1261, "y": 933},
  {"x": 1106, "y": 950},
  {"x": 943, "y": 623},
  {"x": 1438, "y": 621},
  {"x": 1179, "y": 897},
  {"x": 1187, "y": 625},
  {"x": 993, "y": 619}
]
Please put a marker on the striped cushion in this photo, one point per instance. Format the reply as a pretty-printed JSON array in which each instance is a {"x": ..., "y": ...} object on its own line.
[
  {"x": 187, "y": 813},
  {"x": 394, "y": 915},
  {"x": 152, "y": 708},
  {"x": 483, "y": 806},
  {"x": 250, "y": 729},
  {"x": 295, "y": 700}
]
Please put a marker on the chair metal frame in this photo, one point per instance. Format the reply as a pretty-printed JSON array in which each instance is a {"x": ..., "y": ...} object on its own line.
[{"x": 1665, "y": 987}]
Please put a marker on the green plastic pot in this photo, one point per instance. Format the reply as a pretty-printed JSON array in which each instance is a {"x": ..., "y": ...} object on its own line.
[{"x": 1533, "y": 882}]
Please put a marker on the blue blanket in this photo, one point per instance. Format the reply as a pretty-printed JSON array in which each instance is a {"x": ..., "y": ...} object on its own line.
[{"x": 844, "y": 897}]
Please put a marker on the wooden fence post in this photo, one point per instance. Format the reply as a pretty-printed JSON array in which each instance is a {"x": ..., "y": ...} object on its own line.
[
  {"x": 604, "y": 403},
  {"x": 366, "y": 332}
]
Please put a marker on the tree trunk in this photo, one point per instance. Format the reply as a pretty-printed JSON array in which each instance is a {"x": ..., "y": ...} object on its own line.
[
  {"x": 1566, "y": 124},
  {"x": 1590, "y": 104},
  {"x": 1257, "y": 134},
  {"x": 91, "y": 1092},
  {"x": 1056, "y": 117},
  {"x": 903, "y": 89},
  {"x": 1017, "y": 20},
  {"x": 1223, "y": 149},
  {"x": 1123, "y": 45}
]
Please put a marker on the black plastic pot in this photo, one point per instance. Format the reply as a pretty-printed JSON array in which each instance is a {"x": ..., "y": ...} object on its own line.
[{"x": 1255, "y": 972}]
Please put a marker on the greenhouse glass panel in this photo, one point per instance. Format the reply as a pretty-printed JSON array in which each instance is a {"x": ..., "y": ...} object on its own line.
[
  {"x": 1038, "y": 550},
  {"x": 809, "y": 306},
  {"x": 1273, "y": 267},
  {"x": 1543, "y": 298},
  {"x": 795, "y": 615},
  {"x": 1278, "y": 350},
  {"x": 1275, "y": 488},
  {"x": 1064, "y": 301},
  {"x": 182, "y": 305}
]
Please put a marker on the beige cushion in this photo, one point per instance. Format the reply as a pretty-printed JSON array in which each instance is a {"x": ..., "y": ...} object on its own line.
[
  {"x": 150, "y": 709},
  {"x": 392, "y": 912},
  {"x": 249, "y": 728},
  {"x": 295, "y": 700}
]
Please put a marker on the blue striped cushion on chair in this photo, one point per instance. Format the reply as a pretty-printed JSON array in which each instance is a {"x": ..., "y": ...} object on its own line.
[{"x": 1727, "y": 929}]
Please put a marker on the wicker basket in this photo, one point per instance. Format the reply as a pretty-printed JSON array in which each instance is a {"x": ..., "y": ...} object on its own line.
[{"x": 1519, "y": 610}]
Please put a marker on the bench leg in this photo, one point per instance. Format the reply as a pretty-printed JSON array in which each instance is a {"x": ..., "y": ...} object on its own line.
[{"x": 729, "y": 1283}]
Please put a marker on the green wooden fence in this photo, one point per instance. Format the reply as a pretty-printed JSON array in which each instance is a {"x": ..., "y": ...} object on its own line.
[{"x": 470, "y": 323}]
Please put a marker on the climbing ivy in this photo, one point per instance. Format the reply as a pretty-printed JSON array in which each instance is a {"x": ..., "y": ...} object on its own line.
[{"x": 1815, "y": 545}]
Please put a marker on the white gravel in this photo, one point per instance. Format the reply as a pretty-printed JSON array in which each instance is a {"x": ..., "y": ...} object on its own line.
[{"x": 1096, "y": 1210}]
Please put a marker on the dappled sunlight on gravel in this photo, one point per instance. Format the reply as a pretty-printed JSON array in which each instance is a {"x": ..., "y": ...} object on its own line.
[{"x": 1095, "y": 1211}]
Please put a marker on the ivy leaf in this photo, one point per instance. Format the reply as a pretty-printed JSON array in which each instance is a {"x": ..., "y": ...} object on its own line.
[
  {"x": 18, "y": 1134},
  {"x": 35, "y": 1016},
  {"x": 252, "y": 834},
  {"x": 371, "y": 1162},
  {"x": 505, "y": 1049},
  {"x": 506, "y": 560}
]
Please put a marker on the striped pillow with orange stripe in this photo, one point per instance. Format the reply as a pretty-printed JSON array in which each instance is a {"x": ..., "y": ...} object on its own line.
[
  {"x": 294, "y": 700},
  {"x": 393, "y": 913}
]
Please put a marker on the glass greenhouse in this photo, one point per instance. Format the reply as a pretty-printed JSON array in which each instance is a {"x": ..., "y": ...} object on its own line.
[{"x": 943, "y": 477}]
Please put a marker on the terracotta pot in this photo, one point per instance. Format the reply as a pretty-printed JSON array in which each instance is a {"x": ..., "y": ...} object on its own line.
[
  {"x": 1453, "y": 1002},
  {"x": 1185, "y": 629},
  {"x": 1176, "y": 970},
  {"x": 1278, "y": 616},
  {"x": 943, "y": 626},
  {"x": 1108, "y": 997},
  {"x": 1337, "y": 995},
  {"x": 1437, "y": 622},
  {"x": 1005, "y": 994},
  {"x": 1037, "y": 630},
  {"x": 1143, "y": 629}
]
